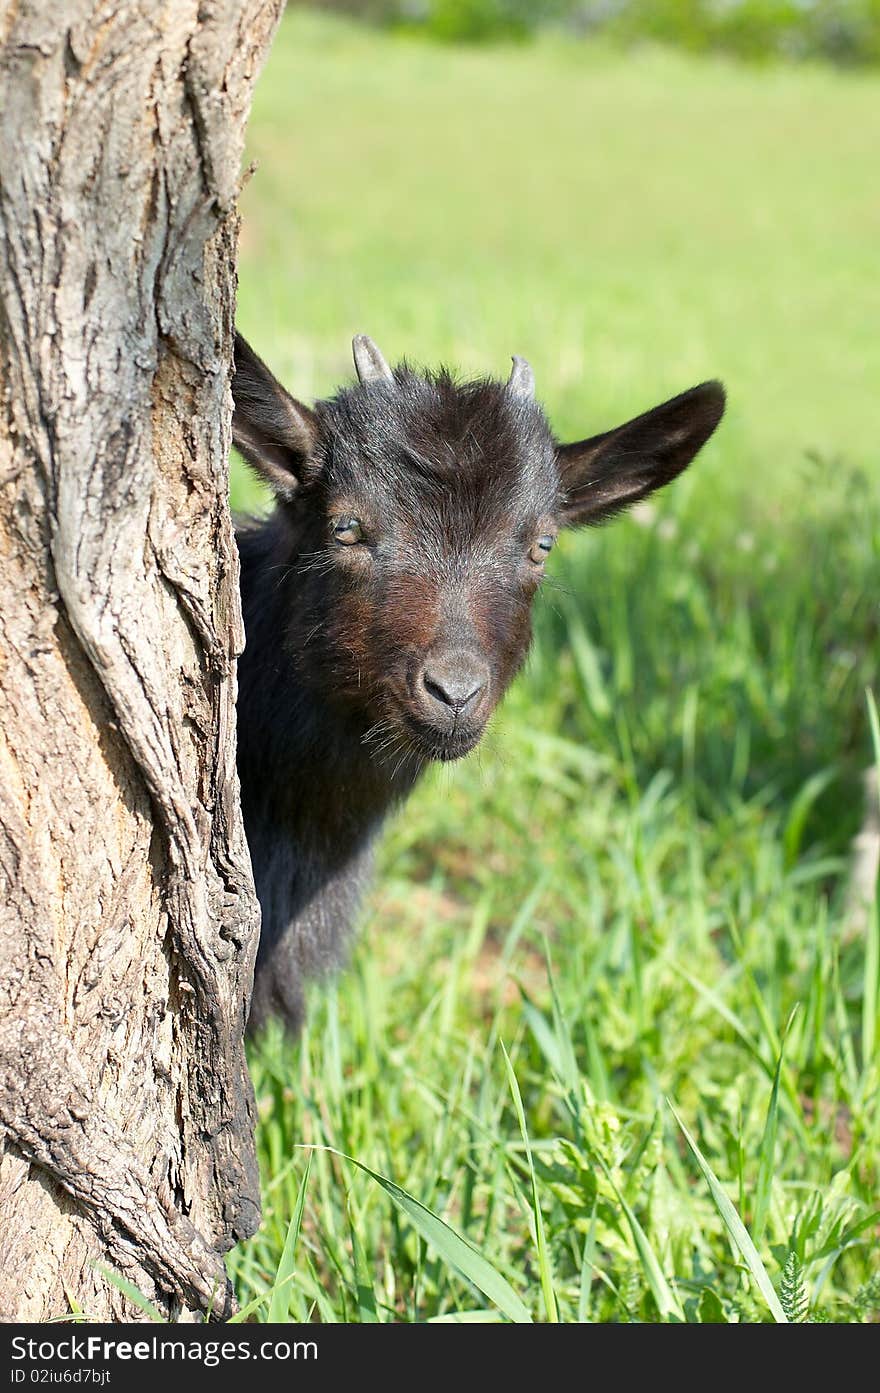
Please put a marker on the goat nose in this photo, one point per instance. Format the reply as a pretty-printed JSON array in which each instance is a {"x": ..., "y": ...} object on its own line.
[{"x": 456, "y": 679}]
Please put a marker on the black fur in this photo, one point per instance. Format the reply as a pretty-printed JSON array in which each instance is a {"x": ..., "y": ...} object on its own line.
[{"x": 373, "y": 648}]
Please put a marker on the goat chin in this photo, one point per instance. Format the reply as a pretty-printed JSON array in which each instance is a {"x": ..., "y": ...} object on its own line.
[{"x": 442, "y": 746}]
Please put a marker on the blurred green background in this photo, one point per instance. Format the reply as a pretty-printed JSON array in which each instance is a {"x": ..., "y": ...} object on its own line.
[
  {"x": 842, "y": 31},
  {"x": 665, "y": 808}
]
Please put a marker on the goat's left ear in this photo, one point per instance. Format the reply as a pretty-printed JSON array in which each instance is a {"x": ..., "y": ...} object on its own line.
[
  {"x": 607, "y": 473},
  {"x": 275, "y": 433}
]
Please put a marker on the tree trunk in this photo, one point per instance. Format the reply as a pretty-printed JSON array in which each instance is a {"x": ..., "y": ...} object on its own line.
[{"x": 128, "y": 919}]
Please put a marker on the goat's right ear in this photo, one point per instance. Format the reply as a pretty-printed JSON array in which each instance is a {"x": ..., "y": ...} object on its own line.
[
  {"x": 275, "y": 433},
  {"x": 605, "y": 474}
]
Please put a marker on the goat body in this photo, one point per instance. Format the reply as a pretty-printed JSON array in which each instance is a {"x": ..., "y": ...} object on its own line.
[{"x": 387, "y": 605}]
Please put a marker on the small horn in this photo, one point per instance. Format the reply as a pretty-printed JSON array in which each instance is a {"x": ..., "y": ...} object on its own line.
[
  {"x": 522, "y": 380},
  {"x": 368, "y": 361}
]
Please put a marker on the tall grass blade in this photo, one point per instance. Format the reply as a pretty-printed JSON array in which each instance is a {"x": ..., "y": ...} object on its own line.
[
  {"x": 872, "y": 944},
  {"x": 735, "y": 1227},
  {"x": 767, "y": 1152},
  {"x": 366, "y": 1297},
  {"x": 279, "y": 1306},
  {"x": 800, "y": 810},
  {"x": 544, "y": 1266},
  {"x": 874, "y": 723},
  {"x": 449, "y": 1244},
  {"x": 668, "y": 1304},
  {"x": 871, "y": 988}
]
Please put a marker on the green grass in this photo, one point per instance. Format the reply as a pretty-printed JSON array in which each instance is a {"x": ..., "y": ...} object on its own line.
[{"x": 632, "y": 898}]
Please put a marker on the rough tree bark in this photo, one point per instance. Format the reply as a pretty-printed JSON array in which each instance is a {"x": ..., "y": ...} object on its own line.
[{"x": 127, "y": 913}]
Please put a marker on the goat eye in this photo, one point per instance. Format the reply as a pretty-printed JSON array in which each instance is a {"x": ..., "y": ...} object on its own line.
[
  {"x": 348, "y": 531},
  {"x": 538, "y": 552}
]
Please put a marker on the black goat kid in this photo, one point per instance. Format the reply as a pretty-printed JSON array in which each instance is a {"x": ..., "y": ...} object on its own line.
[{"x": 387, "y": 607}]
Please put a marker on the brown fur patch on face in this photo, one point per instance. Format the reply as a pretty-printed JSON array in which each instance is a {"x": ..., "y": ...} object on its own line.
[
  {"x": 502, "y": 623},
  {"x": 381, "y": 638},
  {"x": 410, "y": 620},
  {"x": 382, "y": 628}
]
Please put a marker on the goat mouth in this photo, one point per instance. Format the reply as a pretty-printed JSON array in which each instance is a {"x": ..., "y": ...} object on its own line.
[
  {"x": 402, "y": 739},
  {"x": 438, "y": 744}
]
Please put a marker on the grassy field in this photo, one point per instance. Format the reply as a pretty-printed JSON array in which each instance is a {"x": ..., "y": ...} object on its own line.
[{"x": 633, "y": 899}]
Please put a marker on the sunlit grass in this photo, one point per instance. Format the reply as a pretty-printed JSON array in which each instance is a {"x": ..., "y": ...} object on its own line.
[{"x": 638, "y": 885}]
